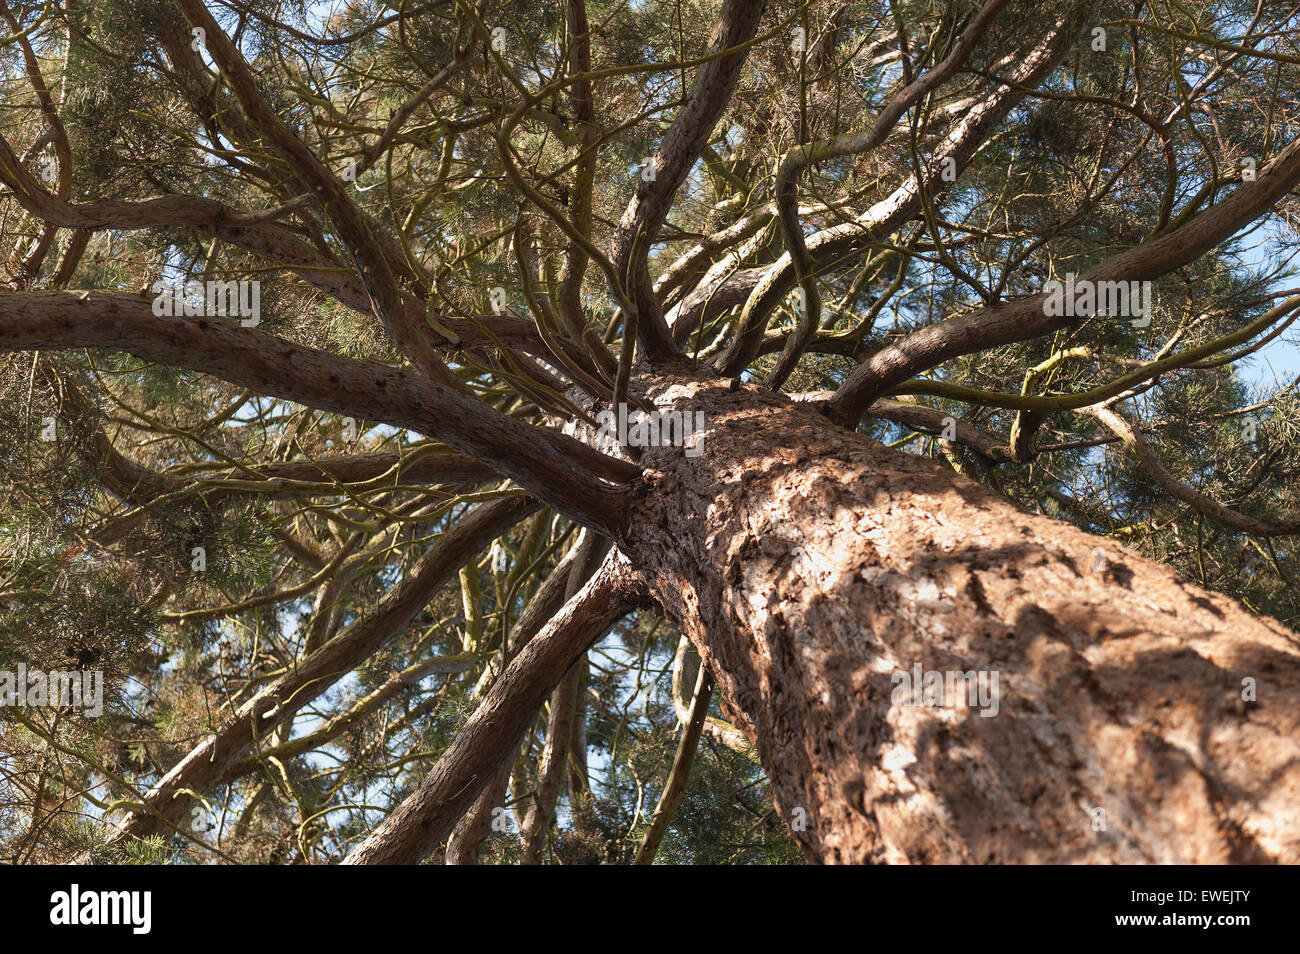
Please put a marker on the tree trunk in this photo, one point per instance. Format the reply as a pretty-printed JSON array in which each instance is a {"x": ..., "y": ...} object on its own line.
[{"x": 1137, "y": 718}]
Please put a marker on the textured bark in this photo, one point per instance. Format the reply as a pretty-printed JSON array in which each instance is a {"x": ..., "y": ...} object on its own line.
[
  {"x": 466, "y": 840},
  {"x": 810, "y": 564}
]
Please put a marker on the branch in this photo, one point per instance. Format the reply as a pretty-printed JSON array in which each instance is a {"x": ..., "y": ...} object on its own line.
[
  {"x": 257, "y": 232},
  {"x": 1189, "y": 495},
  {"x": 466, "y": 839},
  {"x": 794, "y": 162},
  {"x": 762, "y": 289},
  {"x": 337, "y": 725},
  {"x": 681, "y": 770},
  {"x": 212, "y": 758},
  {"x": 927, "y": 419},
  {"x": 353, "y": 226},
  {"x": 551, "y": 768},
  {"x": 677, "y": 153},
  {"x": 1025, "y": 319},
  {"x": 421, "y": 822},
  {"x": 542, "y": 461}
]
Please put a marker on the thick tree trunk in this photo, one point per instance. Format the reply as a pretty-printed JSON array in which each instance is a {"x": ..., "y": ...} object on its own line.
[{"x": 1138, "y": 718}]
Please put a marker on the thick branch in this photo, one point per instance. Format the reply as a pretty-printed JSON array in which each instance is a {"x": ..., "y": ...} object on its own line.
[
  {"x": 212, "y": 758},
  {"x": 426, "y": 817},
  {"x": 677, "y": 154},
  {"x": 544, "y": 462},
  {"x": 1022, "y": 320}
]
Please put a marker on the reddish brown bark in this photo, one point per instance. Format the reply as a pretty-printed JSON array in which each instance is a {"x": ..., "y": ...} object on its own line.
[{"x": 809, "y": 564}]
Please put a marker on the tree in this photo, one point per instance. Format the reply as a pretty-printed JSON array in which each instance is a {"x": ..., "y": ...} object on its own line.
[{"x": 878, "y": 364}]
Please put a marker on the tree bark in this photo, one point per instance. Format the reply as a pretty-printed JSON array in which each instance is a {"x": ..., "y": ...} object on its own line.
[{"x": 810, "y": 565}]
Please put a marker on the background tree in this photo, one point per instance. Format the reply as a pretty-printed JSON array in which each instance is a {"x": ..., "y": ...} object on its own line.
[{"x": 367, "y": 583}]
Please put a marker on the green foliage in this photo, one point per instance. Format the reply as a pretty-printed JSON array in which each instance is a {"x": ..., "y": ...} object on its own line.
[{"x": 97, "y": 562}]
